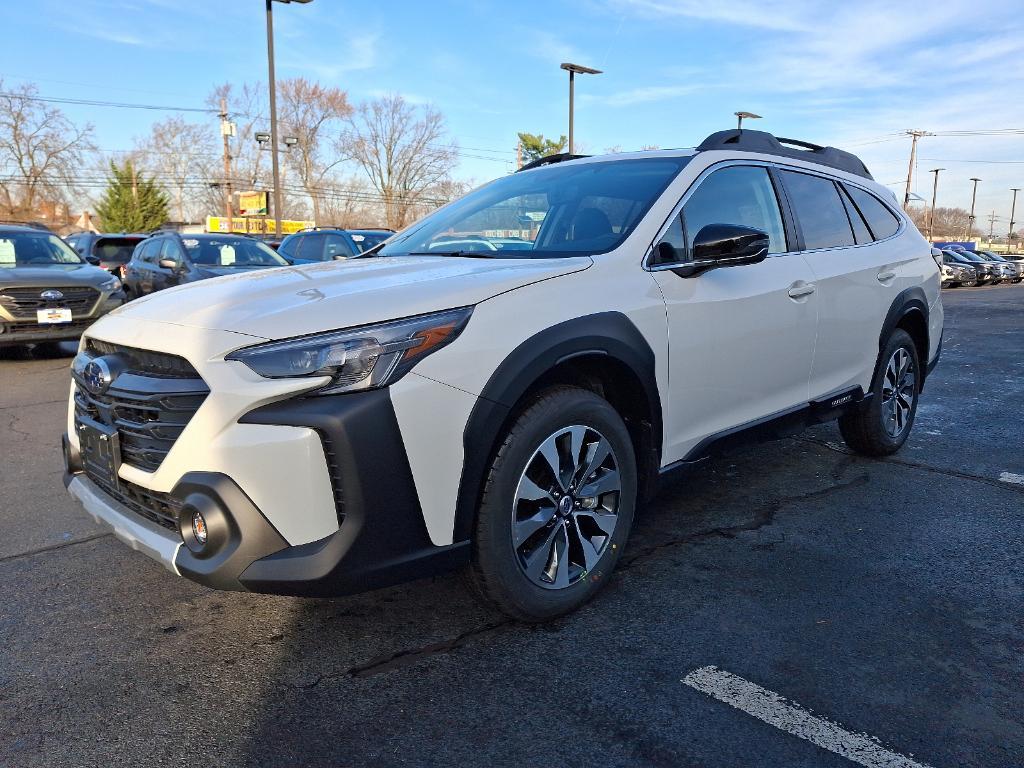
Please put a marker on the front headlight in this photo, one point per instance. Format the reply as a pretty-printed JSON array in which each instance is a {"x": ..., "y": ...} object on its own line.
[
  {"x": 367, "y": 357},
  {"x": 113, "y": 284}
]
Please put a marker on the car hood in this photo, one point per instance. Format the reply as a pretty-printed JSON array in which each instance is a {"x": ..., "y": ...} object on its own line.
[
  {"x": 303, "y": 299},
  {"x": 55, "y": 275},
  {"x": 225, "y": 271}
]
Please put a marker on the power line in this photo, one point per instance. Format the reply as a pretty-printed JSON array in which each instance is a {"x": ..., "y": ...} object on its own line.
[{"x": 98, "y": 103}]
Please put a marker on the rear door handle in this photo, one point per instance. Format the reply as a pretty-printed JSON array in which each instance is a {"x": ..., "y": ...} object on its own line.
[
  {"x": 887, "y": 274},
  {"x": 797, "y": 291}
]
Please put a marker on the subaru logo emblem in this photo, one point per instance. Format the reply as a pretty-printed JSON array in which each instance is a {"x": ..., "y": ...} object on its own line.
[
  {"x": 51, "y": 295},
  {"x": 97, "y": 376}
]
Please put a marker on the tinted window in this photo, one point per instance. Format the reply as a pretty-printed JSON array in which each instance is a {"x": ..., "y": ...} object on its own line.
[
  {"x": 114, "y": 249},
  {"x": 336, "y": 247},
  {"x": 561, "y": 210},
  {"x": 737, "y": 195},
  {"x": 672, "y": 247},
  {"x": 880, "y": 219},
  {"x": 860, "y": 229},
  {"x": 149, "y": 251},
  {"x": 169, "y": 250},
  {"x": 819, "y": 210}
]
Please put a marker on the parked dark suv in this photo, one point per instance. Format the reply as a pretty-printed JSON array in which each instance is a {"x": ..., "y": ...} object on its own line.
[
  {"x": 112, "y": 250},
  {"x": 168, "y": 258},
  {"x": 48, "y": 293}
]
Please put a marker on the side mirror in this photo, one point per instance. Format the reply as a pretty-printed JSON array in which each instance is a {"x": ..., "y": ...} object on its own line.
[
  {"x": 725, "y": 245},
  {"x": 169, "y": 264},
  {"x": 93, "y": 260}
]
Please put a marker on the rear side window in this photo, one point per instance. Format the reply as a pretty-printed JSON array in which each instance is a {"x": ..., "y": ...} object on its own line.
[
  {"x": 114, "y": 249},
  {"x": 819, "y": 210},
  {"x": 335, "y": 247},
  {"x": 149, "y": 251},
  {"x": 739, "y": 194},
  {"x": 880, "y": 219}
]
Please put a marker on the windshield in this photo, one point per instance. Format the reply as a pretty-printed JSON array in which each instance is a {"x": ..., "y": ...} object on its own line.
[
  {"x": 367, "y": 240},
  {"x": 552, "y": 212},
  {"x": 34, "y": 249},
  {"x": 970, "y": 256},
  {"x": 240, "y": 252},
  {"x": 116, "y": 250}
]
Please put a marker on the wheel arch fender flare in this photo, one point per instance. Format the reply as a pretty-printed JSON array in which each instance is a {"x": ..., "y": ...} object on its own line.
[
  {"x": 911, "y": 301},
  {"x": 609, "y": 334}
]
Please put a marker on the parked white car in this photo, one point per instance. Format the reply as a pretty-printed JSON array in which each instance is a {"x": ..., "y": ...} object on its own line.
[{"x": 501, "y": 385}]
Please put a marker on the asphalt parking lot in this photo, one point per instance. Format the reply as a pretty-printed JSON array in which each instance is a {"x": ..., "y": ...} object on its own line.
[{"x": 884, "y": 597}]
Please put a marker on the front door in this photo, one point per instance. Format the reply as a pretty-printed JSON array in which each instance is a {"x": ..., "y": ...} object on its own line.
[{"x": 741, "y": 339}]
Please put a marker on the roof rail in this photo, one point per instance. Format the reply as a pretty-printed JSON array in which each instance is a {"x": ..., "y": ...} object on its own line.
[
  {"x": 549, "y": 160},
  {"x": 764, "y": 143}
]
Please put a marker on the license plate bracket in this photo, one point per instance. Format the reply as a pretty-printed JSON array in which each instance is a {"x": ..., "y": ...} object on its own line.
[
  {"x": 52, "y": 315},
  {"x": 100, "y": 448}
]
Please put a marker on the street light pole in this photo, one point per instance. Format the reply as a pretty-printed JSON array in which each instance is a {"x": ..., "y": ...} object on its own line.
[
  {"x": 273, "y": 112},
  {"x": 935, "y": 189},
  {"x": 740, "y": 117},
  {"x": 572, "y": 69},
  {"x": 970, "y": 219},
  {"x": 1013, "y": 210}
]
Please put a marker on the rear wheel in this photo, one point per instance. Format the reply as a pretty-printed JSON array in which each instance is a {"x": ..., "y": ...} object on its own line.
[
  {"x": 557, "y": 506},
  {"x": 881, "y": 426}
]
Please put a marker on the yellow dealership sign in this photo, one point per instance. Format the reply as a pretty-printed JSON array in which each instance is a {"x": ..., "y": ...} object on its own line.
[
  {"x": 251, "y": 226},
  {"x": 252, "y": 203}
]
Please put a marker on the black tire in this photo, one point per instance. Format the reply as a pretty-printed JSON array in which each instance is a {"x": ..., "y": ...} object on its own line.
[
  {"x": 498, "y": 569},
  {"x": 969, "y": 283},
  {"x": 869, "y": 430}
]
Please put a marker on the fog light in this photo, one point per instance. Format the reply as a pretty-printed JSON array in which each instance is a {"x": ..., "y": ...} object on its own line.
[{"x": 199, "y": 528}]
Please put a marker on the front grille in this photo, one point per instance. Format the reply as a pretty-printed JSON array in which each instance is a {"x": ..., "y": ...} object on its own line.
[
  {"x": 42, "y": 329},
  {"x": 147, "y": 405},
  {"x": 157, "y": 507},
  {"x": 23, "y": 303}
]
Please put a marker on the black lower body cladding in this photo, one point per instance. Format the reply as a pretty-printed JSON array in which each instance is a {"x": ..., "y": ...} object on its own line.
[{"x": 383, "y": 538}]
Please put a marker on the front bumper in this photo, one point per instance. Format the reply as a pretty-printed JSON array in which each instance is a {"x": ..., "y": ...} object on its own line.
[{"x": 382, "y": 539}]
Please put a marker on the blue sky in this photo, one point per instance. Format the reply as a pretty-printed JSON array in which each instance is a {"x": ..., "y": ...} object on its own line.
[{"x": 853, "y": 74}]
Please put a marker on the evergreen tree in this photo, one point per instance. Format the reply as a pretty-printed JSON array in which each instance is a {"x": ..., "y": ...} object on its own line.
[
  {"x": 131, "y": 202},
  {"x": 536, "y": 147}
]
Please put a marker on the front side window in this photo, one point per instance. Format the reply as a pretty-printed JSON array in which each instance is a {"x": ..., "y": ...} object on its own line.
[
  {"x": 34, "y": 249},
  {"x": 336, "y": 247},
  {"x": 819, "y": 209},
  {"x": 742, "y": 195},
  {"x": 557, "y": 211},
  {"x": 116, "y": 250},
  {"x": 882, "y": 221}
]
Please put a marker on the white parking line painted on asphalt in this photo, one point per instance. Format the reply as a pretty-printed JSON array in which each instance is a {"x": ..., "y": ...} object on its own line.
[
  {"x": 775, "y": 710},
  {"x": 1010, "y": 477}
]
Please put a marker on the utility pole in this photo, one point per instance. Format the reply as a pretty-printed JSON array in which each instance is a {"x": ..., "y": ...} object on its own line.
[
  {"x": 915, "y": 135},
  {"x": 519, "y": 154},
  {"x": 935, "y": 189},
  {"x": 992, "y": 226},
  {"x": 227, "y": 130},
  {"x": 273, "y": 119},
  {"x": 1013, "y": 210},
  {"x": 970, "y": 219}
]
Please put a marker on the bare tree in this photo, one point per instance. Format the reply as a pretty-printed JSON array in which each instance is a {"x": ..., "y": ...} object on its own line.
[
  {"x": 309, "y": 112},
  {"x": 41, "y": 150},
  {"x": 181, "y": 156},
  {"x": 403, "y": 151},
  {"x": 949, "y": 222}
]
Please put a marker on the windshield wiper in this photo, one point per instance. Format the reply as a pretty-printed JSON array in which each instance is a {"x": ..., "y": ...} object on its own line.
[{"x": 465, "y": 254}]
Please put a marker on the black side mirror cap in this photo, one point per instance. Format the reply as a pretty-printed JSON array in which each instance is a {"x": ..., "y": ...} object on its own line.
[
  {"x": 725, "y": 245},
  {"x": 92, "y": 260}
]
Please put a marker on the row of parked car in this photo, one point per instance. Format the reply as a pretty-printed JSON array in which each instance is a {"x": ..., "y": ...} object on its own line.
[
  {"x": 961, "y": 266},
  {"x": 51, "y": 289},
  {"x": 150, "y": 262}
]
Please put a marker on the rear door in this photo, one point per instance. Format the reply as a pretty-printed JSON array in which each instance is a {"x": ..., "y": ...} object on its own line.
[
  {"x": 741, "y": 339},
  {"x": 140, "y": 270},
  {"x": 855, "y": 278}
]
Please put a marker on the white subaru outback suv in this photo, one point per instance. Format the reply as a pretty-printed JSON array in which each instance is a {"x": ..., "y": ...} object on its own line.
[{"x": 501, "y": 384}]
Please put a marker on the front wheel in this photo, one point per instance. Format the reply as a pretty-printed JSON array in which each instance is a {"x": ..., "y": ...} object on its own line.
[
  {"x": 969, "y": 283},
  {"x": 881, "y": 426},
  {"x": 557, "y": 506}
]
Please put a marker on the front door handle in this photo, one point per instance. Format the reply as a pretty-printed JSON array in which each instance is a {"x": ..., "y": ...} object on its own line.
[
  {"x": 885, "y": 275},
  {"x": 798, "y": 291}
]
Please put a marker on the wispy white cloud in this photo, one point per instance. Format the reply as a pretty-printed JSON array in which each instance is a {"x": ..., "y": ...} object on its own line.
[{"x": 766, "y": 14}]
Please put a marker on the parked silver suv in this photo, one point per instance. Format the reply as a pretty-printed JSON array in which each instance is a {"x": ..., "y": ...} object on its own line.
[{"x": 48, "y": 293}]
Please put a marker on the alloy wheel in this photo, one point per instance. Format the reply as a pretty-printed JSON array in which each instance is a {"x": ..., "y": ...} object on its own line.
[
  {"x": 899, "y": 388},
  {"x": 566, "y": 507}
]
